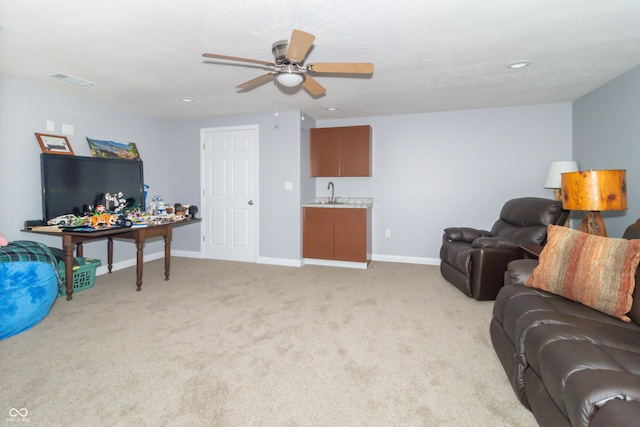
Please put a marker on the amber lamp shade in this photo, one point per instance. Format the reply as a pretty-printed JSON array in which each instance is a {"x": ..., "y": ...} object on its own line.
[{"x": 594, "y": 191}]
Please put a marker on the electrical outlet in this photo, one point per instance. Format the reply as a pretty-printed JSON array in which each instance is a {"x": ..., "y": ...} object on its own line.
[
  {"x": 387, "y": 232},
  {"x": 288, "y": 186}
]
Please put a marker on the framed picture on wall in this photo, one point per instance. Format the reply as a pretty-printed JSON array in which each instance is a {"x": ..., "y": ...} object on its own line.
[
  {"x": 54, "y": 144},
  {"x": 113, "y": 150}
]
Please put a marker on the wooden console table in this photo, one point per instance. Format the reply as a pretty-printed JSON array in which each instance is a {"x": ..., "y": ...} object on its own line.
[{"x": 73, "y": 240}]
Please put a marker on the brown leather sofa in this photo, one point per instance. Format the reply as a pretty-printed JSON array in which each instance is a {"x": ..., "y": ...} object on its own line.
[
  {"x": 475, "y": 260},
  {"x": 569, "y": 364}
]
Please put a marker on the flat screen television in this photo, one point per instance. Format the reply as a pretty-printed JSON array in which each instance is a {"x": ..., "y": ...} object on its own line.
[{"x": 71, "y": 183}]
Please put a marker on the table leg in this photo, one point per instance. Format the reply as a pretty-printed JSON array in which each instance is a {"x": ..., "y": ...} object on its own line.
[
  {"x": 79, "y": 249},
  {"x": 139, "y": 262},
  {"x": 167, "y": 254},
  {"x": 109, "y": 253},
  {"x": 68, "y": 247}
]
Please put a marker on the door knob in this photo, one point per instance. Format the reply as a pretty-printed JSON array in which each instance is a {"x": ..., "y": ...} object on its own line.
[{"x": 251, "y": 202}]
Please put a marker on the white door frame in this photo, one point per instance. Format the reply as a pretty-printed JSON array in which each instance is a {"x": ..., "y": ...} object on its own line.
[{"x": 256, "y": 201}]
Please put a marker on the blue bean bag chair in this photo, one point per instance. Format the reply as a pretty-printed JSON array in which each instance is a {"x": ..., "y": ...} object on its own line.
[{"x": 28, "y": 285}]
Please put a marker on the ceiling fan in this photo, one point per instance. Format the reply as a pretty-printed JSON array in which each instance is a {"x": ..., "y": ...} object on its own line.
[{"x": 288, "y": 67}]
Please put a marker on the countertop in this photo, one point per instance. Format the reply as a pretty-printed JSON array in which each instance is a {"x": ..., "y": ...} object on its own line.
[{"x": 341, "y": 202}]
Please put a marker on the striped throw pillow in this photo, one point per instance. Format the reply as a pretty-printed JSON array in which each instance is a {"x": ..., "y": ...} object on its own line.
[{"x": 595, "y": 271}]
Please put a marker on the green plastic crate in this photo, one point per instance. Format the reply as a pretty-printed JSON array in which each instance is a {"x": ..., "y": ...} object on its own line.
[{"x": 84, "y": 275}]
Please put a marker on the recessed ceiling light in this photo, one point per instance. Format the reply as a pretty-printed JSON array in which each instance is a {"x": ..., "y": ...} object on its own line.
[
  {"x": 332, "y": 108},
  {"x": 186, "y": 99},
  {"x": 70, "y": 79},
  {"x": 519, "y": 64}
]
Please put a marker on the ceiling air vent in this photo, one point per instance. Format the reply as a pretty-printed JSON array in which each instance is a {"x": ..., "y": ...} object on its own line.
[{"x": 70, "y": 79}]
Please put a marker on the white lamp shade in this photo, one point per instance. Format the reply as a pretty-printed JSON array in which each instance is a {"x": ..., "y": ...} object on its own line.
[
  {"x": 289, "y": 79},
  {"x": 555, "y": 171}
]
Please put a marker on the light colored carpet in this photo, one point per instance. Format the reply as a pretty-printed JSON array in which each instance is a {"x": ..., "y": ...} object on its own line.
[{"x": 235, "y": 344}]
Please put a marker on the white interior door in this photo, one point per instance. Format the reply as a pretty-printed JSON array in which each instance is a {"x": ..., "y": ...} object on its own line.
[{"x": 229, "y": 190}]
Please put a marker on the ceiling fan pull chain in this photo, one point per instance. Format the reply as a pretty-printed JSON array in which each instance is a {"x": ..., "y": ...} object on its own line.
[
  {"x": 276, "y": 83},
  {"x": 301, "y": 106}
]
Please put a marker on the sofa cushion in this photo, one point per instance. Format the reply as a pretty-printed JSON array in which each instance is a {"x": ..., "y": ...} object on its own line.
[
  {"x": 616, "y": 412},
  {"x": 595, "y": 271},
  {"x": 521, "y": 309},
  {"x": 580, "y": 375}
]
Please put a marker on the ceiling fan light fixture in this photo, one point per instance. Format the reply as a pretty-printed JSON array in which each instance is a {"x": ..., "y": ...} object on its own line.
[{"x": 289, "y": 79}]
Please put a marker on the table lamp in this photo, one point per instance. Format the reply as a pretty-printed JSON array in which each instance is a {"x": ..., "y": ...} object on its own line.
[
  {"x": 594, "y": 191},
  {"x": 554, "y": 175}
]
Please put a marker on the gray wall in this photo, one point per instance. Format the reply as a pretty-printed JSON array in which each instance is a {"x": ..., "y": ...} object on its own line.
[
  {"x": 436, "y": 170},
  {"x": 307, "y": 183},
  {"x": 171, "y": 155},
  {"x": 606, "y": 126},
  {"x": 25, "y": 109},
  {"x": 430, "y": 171},
  {"x": 280, "y": 151}
]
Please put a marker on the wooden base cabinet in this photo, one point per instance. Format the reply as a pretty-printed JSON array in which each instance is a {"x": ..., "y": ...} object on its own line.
[{"x": 341, "y": 234}]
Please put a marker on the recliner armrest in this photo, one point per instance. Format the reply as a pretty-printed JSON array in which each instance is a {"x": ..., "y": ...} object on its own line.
[
  {"x": 464, "y": 234},
  {"x": 495, "y": 242}
]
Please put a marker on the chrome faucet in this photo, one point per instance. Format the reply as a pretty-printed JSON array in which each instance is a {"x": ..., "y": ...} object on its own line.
[{"x": 332, "y": 199}]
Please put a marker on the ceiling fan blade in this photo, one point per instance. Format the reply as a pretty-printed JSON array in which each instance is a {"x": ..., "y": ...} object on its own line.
[
  {"x": 312, "y": 86},
  {"x": 257, "y": 81},
  {"x": 299, "y": 45},
  {"x": 342, "y": 67},
  {"x": 235, "y": 58}
]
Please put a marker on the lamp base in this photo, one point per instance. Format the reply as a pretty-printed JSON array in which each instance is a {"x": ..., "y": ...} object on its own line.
[{"x": 593, "y": 224}]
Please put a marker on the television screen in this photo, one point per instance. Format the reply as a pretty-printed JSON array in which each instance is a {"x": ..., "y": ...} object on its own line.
[{"x": 72, "y": 183}]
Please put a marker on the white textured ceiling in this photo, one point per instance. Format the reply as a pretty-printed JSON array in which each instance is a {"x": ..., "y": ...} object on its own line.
[{"x": 435, "y": 55}]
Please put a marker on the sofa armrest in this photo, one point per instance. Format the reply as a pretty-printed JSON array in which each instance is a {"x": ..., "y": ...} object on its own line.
[
  {"x": 463, "y": 234},
  {"x": 518, "y": 271},
  {"x": 495, "y": 242}
]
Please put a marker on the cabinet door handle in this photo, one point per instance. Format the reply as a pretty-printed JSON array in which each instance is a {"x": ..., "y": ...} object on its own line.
[{"x": 250, "y": 202}]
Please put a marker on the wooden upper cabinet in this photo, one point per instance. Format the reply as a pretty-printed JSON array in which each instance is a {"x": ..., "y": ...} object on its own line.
[
  {"x": 325, "y": 152},
  {"x": 341, "y": 151}
]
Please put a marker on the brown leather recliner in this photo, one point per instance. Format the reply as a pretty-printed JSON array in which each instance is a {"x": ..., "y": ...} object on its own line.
[{"x": 475, "y": 260}]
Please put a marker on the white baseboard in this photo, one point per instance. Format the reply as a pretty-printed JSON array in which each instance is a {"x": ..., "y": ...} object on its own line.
[
  {"x": 374, "y": 257},
  {"x": 332, "y": 263},
  {"x": 286, "y": 262},
  {"x": 406, "y": 259},
  {"x": 187, "y": 254},
  {"x": 104, "y": 269}
]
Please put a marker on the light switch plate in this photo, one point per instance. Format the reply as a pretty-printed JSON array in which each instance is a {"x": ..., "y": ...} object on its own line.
[
  {"x": 51, "y": 126},
  {"x": 67, "y": 129}
]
